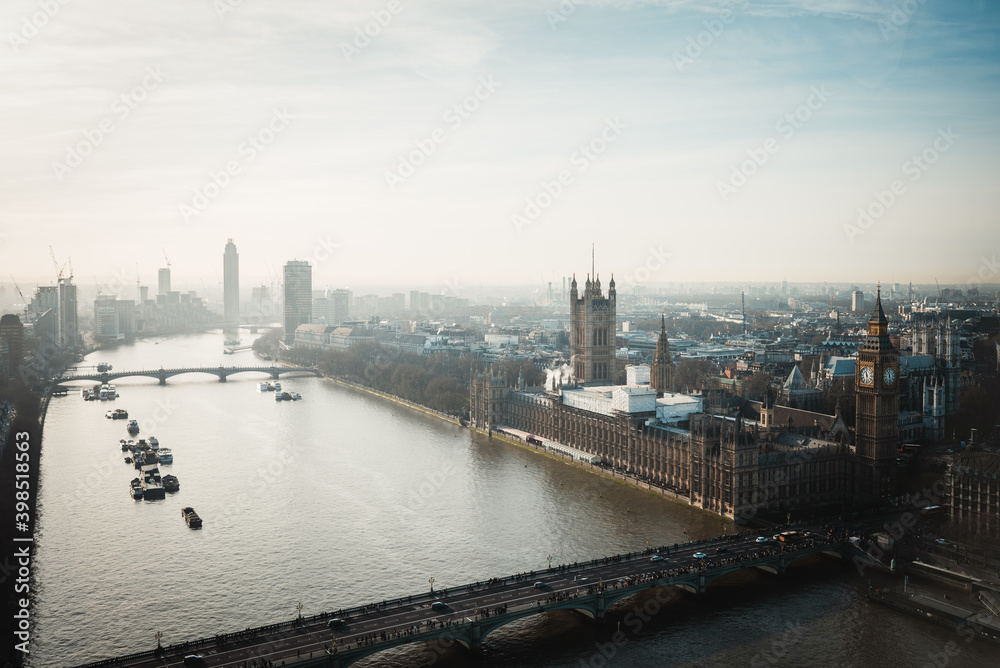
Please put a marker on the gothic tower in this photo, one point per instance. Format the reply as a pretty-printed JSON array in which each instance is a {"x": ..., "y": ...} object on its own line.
[
  {"x": 877, "y": 422},
  {"x": 662, "y": 377},
  {"x": 592, "y": 332}
]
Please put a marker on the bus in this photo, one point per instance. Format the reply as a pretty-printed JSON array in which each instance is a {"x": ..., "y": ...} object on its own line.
[
  {"x": 909, "y": 447},
  {"x": 790, "y": 536}
]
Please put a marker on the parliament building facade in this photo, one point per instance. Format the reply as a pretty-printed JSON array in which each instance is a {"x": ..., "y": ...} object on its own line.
[{"x": 731, "y": 456}]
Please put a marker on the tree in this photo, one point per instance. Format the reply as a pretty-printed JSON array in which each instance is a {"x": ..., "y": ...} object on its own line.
[{"x": 693, "y": 374}]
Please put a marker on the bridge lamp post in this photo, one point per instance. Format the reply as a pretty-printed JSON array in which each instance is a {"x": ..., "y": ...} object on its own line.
[
  {"x": 431, "y": 581},
  {"x": 159, "y": 648},
  {"x": 299, "y": 609},
  {"x": 550, "y": 561}
]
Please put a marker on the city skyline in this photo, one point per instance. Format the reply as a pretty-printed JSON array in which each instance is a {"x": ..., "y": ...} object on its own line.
[{"x": 692, "y": 141}]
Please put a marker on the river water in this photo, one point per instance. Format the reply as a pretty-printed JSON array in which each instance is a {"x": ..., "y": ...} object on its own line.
[{"x": 345, "y": 498}]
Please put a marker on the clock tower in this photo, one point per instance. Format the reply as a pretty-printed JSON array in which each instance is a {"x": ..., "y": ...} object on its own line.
[{"x": 876, "y": 382}]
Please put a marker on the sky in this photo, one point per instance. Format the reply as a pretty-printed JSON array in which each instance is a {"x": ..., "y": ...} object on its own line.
[{"x": 447, "y": 143}]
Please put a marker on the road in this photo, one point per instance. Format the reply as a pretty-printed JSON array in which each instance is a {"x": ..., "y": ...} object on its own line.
[{"x": 391, "y": 623}]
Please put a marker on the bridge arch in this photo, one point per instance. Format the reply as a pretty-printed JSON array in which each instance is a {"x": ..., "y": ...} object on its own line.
[{"x": 453, "y": 634}]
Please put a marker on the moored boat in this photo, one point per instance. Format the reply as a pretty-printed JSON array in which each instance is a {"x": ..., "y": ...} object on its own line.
[
  {"x": 165, "y": 456},
  {"x": 136, "y": 488},
  {"x": 153, "y": 443},
  {"x": 133, "y": 427},
  {"x": 170, "y": 483},
  {"x": 191, "y": 517}
]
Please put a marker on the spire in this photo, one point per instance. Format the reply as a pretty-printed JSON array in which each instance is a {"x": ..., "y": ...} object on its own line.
[{"x": 878, "y": 315}]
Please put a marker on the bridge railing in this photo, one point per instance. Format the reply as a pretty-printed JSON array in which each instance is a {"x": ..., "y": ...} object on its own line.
[{"x": 288, "y": 625}]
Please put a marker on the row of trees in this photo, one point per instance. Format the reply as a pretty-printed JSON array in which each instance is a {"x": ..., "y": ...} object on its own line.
[{"x": 438, "y": 380}]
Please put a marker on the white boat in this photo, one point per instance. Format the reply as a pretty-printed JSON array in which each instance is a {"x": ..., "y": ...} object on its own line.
[
  {"x": 262, "y": 387},
  {"x": 277, "y": 387},
  {"x": 165, "y": 456},
  {"x": 153, "y": 443}
]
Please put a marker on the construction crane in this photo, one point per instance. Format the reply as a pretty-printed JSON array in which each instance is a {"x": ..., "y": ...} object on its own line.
[
  {"x": 18, "y": 288},
  {"x": 55, "y": 264},
  {"x": 138, "y": 288},
  {"x": 165, "y": 257},
  {"x": 940, "y": 296}
]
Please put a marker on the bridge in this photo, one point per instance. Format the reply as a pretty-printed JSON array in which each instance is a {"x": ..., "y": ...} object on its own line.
[
  {"x": 467, "y": 614},
  {"x": 221, "y": 372}
]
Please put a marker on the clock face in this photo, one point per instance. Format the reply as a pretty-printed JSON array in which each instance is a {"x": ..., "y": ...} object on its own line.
[
  {"x": 889, "y": 376},
  {"x": 867, "y": 375}
]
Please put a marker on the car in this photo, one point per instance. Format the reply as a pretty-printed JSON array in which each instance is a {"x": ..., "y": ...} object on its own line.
[
  {"x": 699, "y": 555},
  {"x": 194, "y": 660},
  {"x": 439, "y": 605},
  {"x": 762, "y": 539},
  {"x": 721, "y": 549},
  {"x": 540, "y": 585},
  {"x": 941, "y": 541},
  {"x": 656, "y": 558},
  {"x": 336, "y": 623}
]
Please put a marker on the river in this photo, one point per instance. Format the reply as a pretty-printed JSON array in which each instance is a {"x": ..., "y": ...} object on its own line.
[{"x": 346, "y": 498}]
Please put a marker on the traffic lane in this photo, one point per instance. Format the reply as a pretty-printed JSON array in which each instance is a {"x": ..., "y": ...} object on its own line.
[{"x": 520, "y": 593}]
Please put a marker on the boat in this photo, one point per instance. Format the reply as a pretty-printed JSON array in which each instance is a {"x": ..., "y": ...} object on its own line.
[
  {"x": 136, "y": 488},
  {"x": 133, "y": 427},
  {"x": 277, "y": 387},
  {"x": 262, "y": 387},
  {"x": 103, "y": 394},
  {"x": 153, "y": 443},
  {"x": 191, "y": 517},
  {"x": 109, "y": 415},
  {"x": 152, "y": 486},
  {"x": 170, "y": 483},
  {"x": 165, "y": 456},
  {"x": 112, "y": 392},
  {"x": 128, "y": 460},
  {"x": 296, "y": 397},
  {"x": 282, "y": 396},
  {"x": 124, "y": 445},
  {"x": 85, "y": 393},
  {"x": 231, "y": 342},
  {"x": 102, "y": 367}
]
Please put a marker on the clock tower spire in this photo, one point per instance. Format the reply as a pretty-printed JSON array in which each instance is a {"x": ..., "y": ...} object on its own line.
[{"x": 876, "y": 382}]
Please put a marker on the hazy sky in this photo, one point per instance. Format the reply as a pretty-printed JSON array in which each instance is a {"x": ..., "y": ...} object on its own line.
[{"x": 695, "y": 140}]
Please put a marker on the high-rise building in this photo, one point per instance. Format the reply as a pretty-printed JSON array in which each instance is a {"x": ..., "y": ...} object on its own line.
[
  {"x": 114, "y": 319},
  {"x": 69, "y": 329},
  {"x": 164, "y": 281},
  {"x": 231, "y": 283},
  {"x": 11, "y": 346},
  {"x": 341, "y": 304},
  {"x": 876, "y": 429},
  {"x": 592, "y": 332},
  {"x": 857, "y": 301},
  {"x": 298, "y": 297}
]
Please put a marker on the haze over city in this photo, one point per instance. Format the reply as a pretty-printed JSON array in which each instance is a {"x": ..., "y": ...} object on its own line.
[{"x": 426, "y": 143}]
